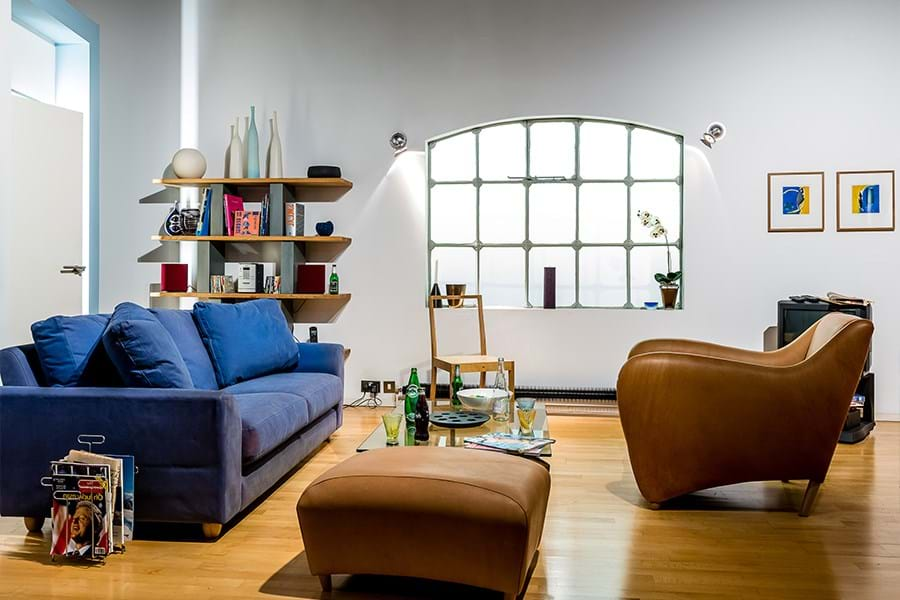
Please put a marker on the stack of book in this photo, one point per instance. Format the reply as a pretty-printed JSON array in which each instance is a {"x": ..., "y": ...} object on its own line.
[
  {"x": 92, "y": 508},
  {"x": 509, "y": 443}
]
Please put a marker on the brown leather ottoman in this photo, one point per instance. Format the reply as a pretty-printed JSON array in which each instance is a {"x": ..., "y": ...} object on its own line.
[{"x": 467, "y": 516}]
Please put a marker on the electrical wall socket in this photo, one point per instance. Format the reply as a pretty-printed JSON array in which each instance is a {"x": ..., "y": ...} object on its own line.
[
  {"x": 390, "y": 387},
  {"x": 370, "y": 385}
]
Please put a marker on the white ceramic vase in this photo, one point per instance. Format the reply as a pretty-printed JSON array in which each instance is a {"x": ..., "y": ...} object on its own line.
[
  {"x": 235, "y": 157},
  {"x": 189, "y": 163},
  {"x": 274, "y": 166},
  {"x": 245, "y": 151}
]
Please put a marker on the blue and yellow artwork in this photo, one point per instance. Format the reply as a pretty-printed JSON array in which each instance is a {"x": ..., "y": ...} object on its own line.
[
  {"x": 795, "y": 200},
  {"x": 866, "y": 199}
]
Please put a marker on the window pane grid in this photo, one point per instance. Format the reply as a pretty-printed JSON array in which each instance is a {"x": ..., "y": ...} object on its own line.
[{"x": 552, "y": 170}]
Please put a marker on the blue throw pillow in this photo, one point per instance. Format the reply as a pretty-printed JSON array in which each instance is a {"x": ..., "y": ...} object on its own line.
[
  {"x": 246, "y": 340},
  {"x": 143, "y": 351},
  {"x": 71, "y": 352}
]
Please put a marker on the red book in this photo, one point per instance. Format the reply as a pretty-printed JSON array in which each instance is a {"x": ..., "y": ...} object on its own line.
[{"x": 232, "y": 205}]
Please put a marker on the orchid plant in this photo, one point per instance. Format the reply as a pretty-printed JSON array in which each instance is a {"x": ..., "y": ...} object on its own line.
[{"x": 657, "y": 230}]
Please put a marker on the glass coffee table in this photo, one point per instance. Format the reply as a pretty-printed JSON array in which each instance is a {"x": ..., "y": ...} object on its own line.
[{"x": 440, "y": 436}]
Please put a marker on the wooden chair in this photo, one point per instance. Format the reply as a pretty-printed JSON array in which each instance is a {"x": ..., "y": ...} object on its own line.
[{"x": 468, "y": 363}]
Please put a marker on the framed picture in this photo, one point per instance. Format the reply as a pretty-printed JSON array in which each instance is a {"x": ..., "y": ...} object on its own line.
[
  {"x": 865, "y": 201},
  {"x": 797, "y": 201}
]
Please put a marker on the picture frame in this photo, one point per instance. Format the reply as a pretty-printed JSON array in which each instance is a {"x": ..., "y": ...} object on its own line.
[
  {"x": 796, "y": 201},
  {"x": 865, "y": 200}
]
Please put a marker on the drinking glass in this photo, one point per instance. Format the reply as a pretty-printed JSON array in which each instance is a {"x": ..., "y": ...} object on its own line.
[
  {"x": 392, "y": 427},
  {"x": 525, "y": 411}
]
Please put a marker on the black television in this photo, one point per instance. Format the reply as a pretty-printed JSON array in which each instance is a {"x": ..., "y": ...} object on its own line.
[{"x": 796, "y": 317}]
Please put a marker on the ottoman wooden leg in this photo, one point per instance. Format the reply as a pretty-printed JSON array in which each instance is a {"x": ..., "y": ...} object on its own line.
[
  {"x": 325, "y": 581},
  {"x": 34, "y": 524}
]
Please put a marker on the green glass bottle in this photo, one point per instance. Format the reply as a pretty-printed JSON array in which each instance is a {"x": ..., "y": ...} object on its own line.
[
  {"x": 333, "y": 282},
  {"x": 412, "y": 396},
  {"x": 455, "y": 386}
]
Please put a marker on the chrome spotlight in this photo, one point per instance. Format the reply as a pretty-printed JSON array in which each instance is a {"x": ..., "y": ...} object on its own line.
[
  {"x": 398, "y": 142},
  {"x": 714, "y": 133}
]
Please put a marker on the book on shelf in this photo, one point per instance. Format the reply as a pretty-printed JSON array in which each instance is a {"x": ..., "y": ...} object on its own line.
[
  {"x": 246, "y": 222},
  {"x": 264, "y": 216},
  {"x": 231, "y": 204},
  {"x": 294, "y": 219},
  {"x": 203, "y": 227}
]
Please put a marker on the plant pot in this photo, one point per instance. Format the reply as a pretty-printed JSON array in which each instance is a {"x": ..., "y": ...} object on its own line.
[{"x": 669, "y": 295}]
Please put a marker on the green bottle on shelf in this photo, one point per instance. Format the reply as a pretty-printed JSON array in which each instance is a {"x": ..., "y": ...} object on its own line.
[
  {"x": 333, "y": 282},
  {"x": 412, "y": 397},
  {"x": 455, "y": 386}
]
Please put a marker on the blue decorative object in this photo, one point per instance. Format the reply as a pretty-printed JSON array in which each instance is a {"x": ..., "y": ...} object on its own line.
[
  {"x": 325, "y": 228},
  {"x": 252, "y": 146},
  {"x": 246, "y": 340},
  {"x": 651, "y": 305},
  {"x": 71, "y": 352},
  {"x": 143, "y": 352}
]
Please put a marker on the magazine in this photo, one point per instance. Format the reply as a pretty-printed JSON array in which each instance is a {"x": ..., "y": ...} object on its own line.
[
  {"x": 125, "y": 499},
  {"x": 508, "y": 442},
  {"x": 82, "y": 458},
  {"x": 80, "y": 511}
]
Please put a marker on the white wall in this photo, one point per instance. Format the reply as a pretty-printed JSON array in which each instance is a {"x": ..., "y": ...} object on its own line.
[
  {"x": 801, "y": 86},
  {"x": 814, "y": 88},
  {"x": 6, "y": 252},
  {"x": 139, "y": 133}
]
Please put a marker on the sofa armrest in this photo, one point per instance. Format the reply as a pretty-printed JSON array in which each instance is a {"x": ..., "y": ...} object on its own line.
[
  {"x": 321, "y": 358},
  {"x": 193, "y": 431}
]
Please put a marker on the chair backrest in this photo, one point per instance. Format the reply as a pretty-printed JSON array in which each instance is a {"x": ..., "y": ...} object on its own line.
[
  {"x": 826, "y": 328},
  {"x": 462, "y": 298}
]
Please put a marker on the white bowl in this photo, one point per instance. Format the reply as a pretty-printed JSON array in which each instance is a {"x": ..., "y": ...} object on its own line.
[{"x": 481, "y": 399}]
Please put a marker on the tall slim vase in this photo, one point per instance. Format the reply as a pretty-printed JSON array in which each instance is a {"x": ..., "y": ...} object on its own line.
[
  {"x": 235, "y": 171},
  {"x": 245, "y": 151},
  {"x": 252, "y": 146},
  {"x": 274, "y": 167}
]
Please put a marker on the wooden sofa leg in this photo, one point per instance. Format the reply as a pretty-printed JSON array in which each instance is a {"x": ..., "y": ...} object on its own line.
[
  {"x": 34, "y": 524},
  {"x": 325, "y": 582},
  {"x": 212, "y": 530},
  {"x": 809, "y": 498}
]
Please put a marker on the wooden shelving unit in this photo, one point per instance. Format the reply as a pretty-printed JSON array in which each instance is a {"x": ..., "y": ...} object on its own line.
[{"x": 291, "y": 250}]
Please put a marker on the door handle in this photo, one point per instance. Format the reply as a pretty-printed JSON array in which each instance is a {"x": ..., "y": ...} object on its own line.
[{"x": 73, "y": 269}]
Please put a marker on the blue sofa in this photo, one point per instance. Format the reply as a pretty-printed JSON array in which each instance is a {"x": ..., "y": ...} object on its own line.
[{"x": 203, "y": 454}]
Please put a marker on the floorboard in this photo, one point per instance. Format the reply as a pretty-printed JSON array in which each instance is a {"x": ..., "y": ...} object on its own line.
[{"x": 600, "y": 539}]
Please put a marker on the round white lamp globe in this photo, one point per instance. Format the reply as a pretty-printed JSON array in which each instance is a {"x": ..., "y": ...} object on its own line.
[{"x": 189, "y": 163}]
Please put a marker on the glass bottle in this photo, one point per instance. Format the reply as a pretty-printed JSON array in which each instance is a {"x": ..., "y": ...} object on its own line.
[
  {"x": 422, "y": 419},
  {"x": 333, "y": 282},
  {"x": 455, "y": 386},
  {"x": 412, "y": 397},
  {"x": 501, "y": 402}
]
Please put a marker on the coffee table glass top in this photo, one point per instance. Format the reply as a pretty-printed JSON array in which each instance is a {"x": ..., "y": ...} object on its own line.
[{"x": 439, "y": 436}]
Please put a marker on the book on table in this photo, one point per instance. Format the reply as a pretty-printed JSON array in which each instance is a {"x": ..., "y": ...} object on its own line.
[{"x": 508, "y": 442}]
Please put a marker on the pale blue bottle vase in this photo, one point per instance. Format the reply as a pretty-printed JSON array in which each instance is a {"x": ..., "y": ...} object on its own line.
[{"x": 252, "y": 146}]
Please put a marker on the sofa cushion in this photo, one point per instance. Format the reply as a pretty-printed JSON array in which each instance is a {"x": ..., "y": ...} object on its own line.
[
  {"x": 143, "y": 351},
  {"x": 275, "y": 407},
  {"x": 180, "y": 325},
  {"x": 71, "y": 351},
  {"x": 246, "y": 340}
]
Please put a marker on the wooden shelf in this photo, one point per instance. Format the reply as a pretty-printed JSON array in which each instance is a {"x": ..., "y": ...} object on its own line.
[
  {"x": 249, "y": 296},
  {"x": 306, "y": 239},
  {"x": 329, "y": 188}
]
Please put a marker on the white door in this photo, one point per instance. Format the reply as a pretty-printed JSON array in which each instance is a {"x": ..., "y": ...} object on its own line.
[{"x": 46, "y": 213}]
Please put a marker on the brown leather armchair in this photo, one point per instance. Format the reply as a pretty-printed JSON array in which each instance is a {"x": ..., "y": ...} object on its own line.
[{"x": 699, "y": 415}]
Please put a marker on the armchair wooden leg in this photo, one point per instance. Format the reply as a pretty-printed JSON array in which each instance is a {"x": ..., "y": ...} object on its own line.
[
  {"x": 483, "y": 379},
  {"x": 433, "y": 392},
  {"x": 809, "y": 498},
  {"x": 212, "y": 530},
  {"x": 325, "y": 582},
  {"x": 34, "y": 524}
]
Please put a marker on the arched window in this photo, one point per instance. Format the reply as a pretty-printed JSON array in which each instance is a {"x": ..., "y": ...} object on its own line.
[{"x": 507, "y": 199}]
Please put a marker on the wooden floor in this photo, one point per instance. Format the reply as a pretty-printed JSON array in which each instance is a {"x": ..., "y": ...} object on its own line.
[{"x": 600, "y": 540}]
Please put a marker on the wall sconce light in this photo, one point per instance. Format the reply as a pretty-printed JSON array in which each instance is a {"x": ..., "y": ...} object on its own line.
[
  {"x": 398, "y": 143},
  {"x": 714, "y": 133}
]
